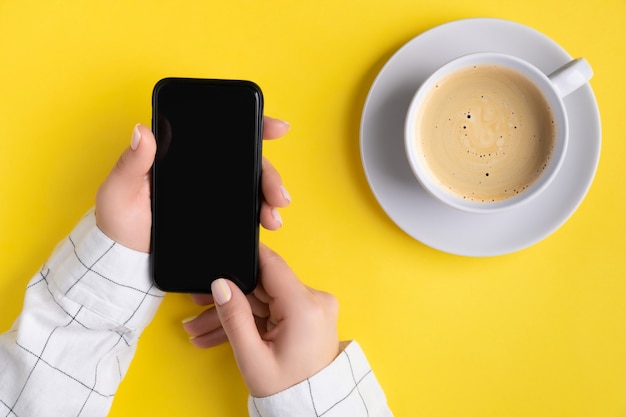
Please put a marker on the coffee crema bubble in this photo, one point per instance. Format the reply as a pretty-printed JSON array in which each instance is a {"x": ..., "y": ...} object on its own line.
[{"x": 485, "y": 132}]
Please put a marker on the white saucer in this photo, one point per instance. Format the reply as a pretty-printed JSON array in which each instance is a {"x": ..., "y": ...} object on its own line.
[{"x": 399, "y": 193}]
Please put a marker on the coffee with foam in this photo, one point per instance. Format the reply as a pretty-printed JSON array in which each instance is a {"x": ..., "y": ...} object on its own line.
[{"x": 485, "y": 132}]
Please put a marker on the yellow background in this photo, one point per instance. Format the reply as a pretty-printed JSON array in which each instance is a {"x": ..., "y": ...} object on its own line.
[{"x": 539, "y": 332}]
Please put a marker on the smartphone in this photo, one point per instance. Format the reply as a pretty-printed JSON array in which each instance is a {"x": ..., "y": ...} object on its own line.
[{"x": 206, "y": 177}]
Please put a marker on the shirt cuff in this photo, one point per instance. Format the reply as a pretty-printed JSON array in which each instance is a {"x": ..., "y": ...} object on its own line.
[
  {"x": 111, "y": 280},
  {"x": 346, "y": 387}
]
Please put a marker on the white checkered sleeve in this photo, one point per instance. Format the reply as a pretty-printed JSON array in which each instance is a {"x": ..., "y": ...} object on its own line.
[
  {"x": 346, "y": 387},
  {"x": 74, "y": 340}
]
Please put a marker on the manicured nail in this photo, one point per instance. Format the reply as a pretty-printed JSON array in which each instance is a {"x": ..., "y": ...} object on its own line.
[
  {"x": 286, "y": 123},
  {"x": 277, "y": 216},
  {"x": 188, "y": 319},
  {"x": 285, "y": 193},
  {"x": 134, "y": 142},
  {"x": 221, "y": 291}
]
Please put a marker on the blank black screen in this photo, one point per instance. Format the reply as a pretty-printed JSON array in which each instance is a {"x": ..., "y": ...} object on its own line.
[{"x": 206, "y": 183}]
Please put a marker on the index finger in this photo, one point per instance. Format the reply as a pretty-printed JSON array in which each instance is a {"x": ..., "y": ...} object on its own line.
[
  {"x": 278, "y": 280},
  {"x": 274, "y": 128}
]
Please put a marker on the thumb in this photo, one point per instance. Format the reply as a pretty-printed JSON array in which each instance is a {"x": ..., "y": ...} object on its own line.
[
  {"x": 123, "y": 200},
  {"x": 135, "y": 162},
  {"x": 235, "y": 314}
]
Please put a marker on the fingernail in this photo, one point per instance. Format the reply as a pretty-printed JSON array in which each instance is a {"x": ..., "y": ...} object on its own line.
[
  {"x": 277, "y": 216},
  {"x": 134, "y": 142},
  {"x": 285, "y": 193},
  {"x": 286, "y": 123},
  {"x": 188, "y": 319},
  {"x": 221, "y": 291}
]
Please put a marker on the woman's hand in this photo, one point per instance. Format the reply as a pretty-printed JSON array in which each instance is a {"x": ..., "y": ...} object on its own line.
[
  {"x": 123, "y": 207},
  {"x": 281, "y": 334}
]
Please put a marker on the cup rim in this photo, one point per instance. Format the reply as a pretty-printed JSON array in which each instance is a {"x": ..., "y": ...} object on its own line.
[{"x": 550, "y": 94}]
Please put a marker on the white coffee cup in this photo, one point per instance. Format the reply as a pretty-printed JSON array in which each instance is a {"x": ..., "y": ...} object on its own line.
[{"x": 489, "y": 131}]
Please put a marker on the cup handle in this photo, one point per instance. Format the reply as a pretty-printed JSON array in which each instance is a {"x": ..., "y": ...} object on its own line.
[{"x": 571, "y": 76}]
